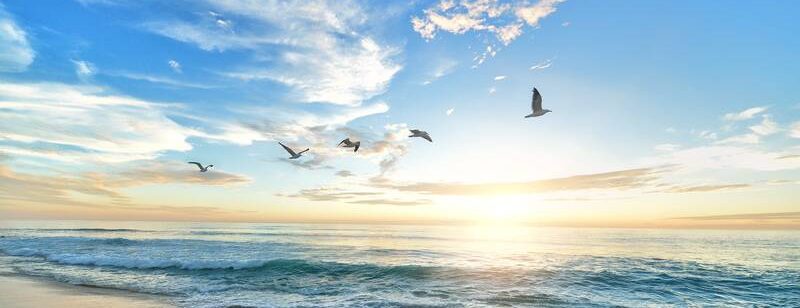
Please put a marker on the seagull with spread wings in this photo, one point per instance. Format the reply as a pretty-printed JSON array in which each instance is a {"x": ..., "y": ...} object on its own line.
[
  {"x": 536, "y": 105},
  {"x": 199, "y": 165},
  {"x": 295, "y": 155},
  {"x": 421, "y": 133},
  {"x": 346, "y": 143}
]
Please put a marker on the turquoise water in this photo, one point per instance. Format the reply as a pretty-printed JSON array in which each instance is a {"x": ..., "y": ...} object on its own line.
[{"x": 314, "y": 265}]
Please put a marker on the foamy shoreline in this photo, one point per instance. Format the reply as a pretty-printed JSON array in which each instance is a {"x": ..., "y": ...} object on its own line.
[{"x": 18, "y": 291}]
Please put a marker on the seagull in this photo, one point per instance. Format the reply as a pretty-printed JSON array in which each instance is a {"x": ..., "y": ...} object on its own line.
[
  {"x": 291, "y": 152},
  {"x": 349, "y": 144},
  {"x": 421, "y": 133},
  {"x": 199, "y": 165},
  {"x": 536, "y": 105}
]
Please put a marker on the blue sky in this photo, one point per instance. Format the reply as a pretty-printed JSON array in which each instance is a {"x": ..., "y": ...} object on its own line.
[{"x": 661, "y": 110}]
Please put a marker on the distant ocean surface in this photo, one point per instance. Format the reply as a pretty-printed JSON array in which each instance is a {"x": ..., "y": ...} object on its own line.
[{"x": 320, "y": 265}]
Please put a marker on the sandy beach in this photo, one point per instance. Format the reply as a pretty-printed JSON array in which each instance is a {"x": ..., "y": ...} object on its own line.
[{"x": 23, "y": 292}]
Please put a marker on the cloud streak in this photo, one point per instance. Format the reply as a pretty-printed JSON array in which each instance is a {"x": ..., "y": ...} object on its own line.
[
  {"x": 16, "y": 53},
  {"x": 618, "y": 180},
  {"x": 749, "y": 216}
]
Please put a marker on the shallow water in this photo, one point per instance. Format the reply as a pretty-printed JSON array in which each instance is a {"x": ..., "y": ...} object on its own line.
[{"x": 313, "y": 265}]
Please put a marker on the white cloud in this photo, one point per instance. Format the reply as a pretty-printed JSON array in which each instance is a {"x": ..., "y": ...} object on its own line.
[
  {"x": 542, "y": 65},
  {"x": 794, "y": 132},
  {"x": 157, "y": 79},
  {"x": 84, "y": 69},
  {"x": 492, "y": 90},
  {"x": 501, "y": 77},
  {"x": 16, "y": 53},
  {"x": 533, "y": 14},
  {"x": 741, "y": 139},
  {"x": 504, "y": 20},
  {"x": 175, "y": 66},
  {"x": 507, "y": 34},
  {"x": 443, "y": 68},
  {"x": 729, "y": 157},
  {"x": 766, "y": 127},
  {"x": 745, "y": 114},
  {"x": 565, "y": 24},
  {"x": 450, "y": 111},
  {"x": 671, "y": 130},
  {"x": 323, "y": 55},
  {"x": 291, "y": 125},
  {"x": 707, "y": 135},
  {"x": 85, "y": 123}
]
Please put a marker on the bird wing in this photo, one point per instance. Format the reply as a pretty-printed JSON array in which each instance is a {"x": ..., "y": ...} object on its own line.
[
  {"x": 196, "y": 163},
  {"x": 358, "y": 145},
  {"x": 536, "y": 102},
  {"x": 346, "y": 141},
  {"x": 287, "y": 149},
  {"x": 303, "y": 151},
  {"x": 415, "y": 131},
  {"x": 427, "y": 137}
]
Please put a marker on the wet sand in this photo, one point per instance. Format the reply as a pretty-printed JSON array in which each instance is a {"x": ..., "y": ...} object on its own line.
[{"x": 23, "y": 292}]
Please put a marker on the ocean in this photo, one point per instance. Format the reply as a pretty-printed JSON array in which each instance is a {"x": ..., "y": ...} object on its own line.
[{"x": 342, "y": 265}]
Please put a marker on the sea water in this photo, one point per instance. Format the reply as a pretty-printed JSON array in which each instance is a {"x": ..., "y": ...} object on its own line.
[{"x": 340, "y": 265}]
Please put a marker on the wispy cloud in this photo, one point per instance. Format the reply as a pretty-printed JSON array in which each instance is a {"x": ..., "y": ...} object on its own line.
[
  {"x": 749, "y": 216},
  {"x": 766, "y": 127},
  {"x": 175, "y": 66},
  {"x": 354, "y": 197},
  {"x": 61, "y": 189},
  {"x": 704, "y": 188},
  {"x": 84, "y": 69},
  {"x": 323, "y": 54},
  {"x": 707, "y": 135},
  {"x": 166, "y": 81},
  {"x": 16, "y": 53},
  {"x": 794, "y": 131},
  {"x": 741, "y": 139},
  {"x": 711, "y": 157},
  {"x": 87, "y": 123},
  {"x": 745, "y": 114},
  {"x": 618, "y": 180},
  {"x": 450, "y": 111},
  {"x": 542, "y": 65},
  {"x": 443, "y": 68},
  {"x": 398, "y": 202},
  {"x": 500, "y": 77},
  {"x": 332, "y": 194}
]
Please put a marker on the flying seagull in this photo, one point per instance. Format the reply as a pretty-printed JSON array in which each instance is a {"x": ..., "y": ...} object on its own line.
[
  {"x": 421, "y": 133},
  {"x": 350, "y": 144},
  {"x": 536, "y": 105},
  {"x": 199, "y": 165},
  {"x": 291, "y": 152}
]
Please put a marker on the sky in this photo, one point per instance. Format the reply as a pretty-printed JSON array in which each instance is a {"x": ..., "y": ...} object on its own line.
[{"x": 665, "y": 113}]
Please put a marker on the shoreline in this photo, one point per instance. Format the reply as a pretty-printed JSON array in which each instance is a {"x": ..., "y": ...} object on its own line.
[{"x": 21, "y": 291}]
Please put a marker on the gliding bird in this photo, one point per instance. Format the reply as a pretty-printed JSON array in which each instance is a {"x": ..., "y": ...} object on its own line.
[
  {"x": 199, "y": 165},
  {"x": 291, "y": 152},
  {"x": 421, "y": 133},
  {"x": 536, "y": 105},
  {"x": 350, "y": 144}
]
